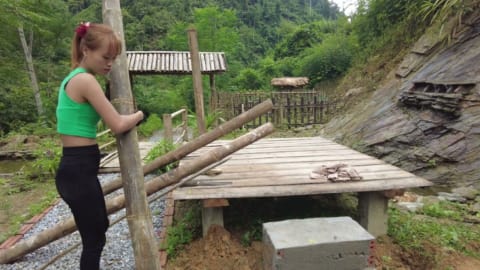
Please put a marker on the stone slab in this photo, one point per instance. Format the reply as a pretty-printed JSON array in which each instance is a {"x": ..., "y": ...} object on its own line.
[{"x": 317, "y": 243}]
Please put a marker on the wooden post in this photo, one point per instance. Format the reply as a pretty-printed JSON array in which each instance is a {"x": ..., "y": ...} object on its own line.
[
  {"x": 213, "y": 94},
  {"x": 185, "y": 123},
  {"x": 197, "y": 80},
  {"x": 137, "y": 210},
  {"x": 167, "y": 127}
]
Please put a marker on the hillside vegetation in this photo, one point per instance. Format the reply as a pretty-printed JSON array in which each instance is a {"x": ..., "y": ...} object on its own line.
[{"x": 261, "y": 40}]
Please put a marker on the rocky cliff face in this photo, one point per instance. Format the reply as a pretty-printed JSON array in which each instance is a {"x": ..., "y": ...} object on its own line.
[{"x": 425, "y": 117}]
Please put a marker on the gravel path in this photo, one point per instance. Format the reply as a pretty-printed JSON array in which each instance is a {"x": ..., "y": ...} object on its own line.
[{"x": 118, "y": 252}]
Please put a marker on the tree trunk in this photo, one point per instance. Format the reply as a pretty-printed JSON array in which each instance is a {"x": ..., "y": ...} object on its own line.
[
  {"x": 137, "y": 211},
  {"x": 198, "y": 142},
  {"x": 115, "y": 204},
  {"x": 31, "y": 71}
]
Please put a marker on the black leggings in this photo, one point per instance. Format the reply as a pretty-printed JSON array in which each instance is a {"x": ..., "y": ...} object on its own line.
[{"x": 78, "y": 185}]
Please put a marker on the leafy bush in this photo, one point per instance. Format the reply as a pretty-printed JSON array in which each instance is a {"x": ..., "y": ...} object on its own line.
[
  {"x": 47, "y": 158},
  {"x": 158, "y": 150},
  {"x": 183, "y": 231},
  {"x": 328, "y": 60},
  {"x": 249, "y": 79},
  {"x": 152, "y": 124}
]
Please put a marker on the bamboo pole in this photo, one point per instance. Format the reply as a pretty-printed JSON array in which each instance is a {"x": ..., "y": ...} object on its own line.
[
  {"x": 198, "y": 142},
  {"x": 197, "y": 80},
  {"x": 137, "y": 211},
  {"x": 117, "y": 203}
]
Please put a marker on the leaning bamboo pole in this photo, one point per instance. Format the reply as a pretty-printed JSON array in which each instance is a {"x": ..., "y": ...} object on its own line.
[
  {"x": 139, "y": 218},
  {"x": 198, "y": 142},
  {"x": 117, "y": 203}
]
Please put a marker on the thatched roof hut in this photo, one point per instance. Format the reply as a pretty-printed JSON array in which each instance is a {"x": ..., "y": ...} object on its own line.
[{"x": 290, "y": 83}]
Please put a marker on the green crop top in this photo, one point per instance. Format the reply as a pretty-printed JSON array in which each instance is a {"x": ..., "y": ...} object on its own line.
[{"x": 74, "y": 118}]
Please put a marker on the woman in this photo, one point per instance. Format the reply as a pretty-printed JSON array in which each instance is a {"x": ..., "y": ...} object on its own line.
[{"x": 81, "y": 104}]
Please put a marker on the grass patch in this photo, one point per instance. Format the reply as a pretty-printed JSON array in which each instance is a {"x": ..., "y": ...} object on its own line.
[
  {"x": 437, "y": 226},
  {"x": 18, "y": 207}
]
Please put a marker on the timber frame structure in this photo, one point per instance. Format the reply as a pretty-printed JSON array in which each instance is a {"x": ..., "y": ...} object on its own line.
[{"x": 175, "y": 63}]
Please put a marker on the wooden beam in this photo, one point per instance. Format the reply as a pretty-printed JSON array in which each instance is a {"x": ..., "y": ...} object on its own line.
[
  {"x": 137, "y": 211},
  {"x": 197, "y": 80}
]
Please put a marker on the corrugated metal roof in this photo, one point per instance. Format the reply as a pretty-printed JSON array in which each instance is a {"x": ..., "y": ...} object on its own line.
[{"x": 173, "y": 62}]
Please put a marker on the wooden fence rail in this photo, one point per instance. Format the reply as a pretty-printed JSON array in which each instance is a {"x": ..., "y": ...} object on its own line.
[
  {"x": 293, "y": 108},
  {"x": 168, "y": 125}
]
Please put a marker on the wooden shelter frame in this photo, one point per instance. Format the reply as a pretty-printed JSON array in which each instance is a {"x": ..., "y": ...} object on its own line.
[{"x": 175, "y": 63}]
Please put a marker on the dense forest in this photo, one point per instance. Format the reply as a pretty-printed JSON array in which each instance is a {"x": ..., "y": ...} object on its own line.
[{"x": 261, "y": 40}]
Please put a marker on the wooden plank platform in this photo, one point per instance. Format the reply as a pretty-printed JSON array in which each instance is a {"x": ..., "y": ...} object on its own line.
[
  {"x": 276, "y": 167},
  {"x": 281, "y": 167}
]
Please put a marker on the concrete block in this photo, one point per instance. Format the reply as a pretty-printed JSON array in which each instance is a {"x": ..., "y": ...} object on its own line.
[{"x": 338, "y": 243}]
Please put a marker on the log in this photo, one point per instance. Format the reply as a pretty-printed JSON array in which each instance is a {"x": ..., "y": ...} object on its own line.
[
  {"x": 138, "y": 214},
  {"x": 67, "y": 226},
  {"x": 198, "y": 142}
]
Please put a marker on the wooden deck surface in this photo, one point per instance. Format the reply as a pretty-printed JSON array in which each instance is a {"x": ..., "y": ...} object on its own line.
[{"x": 275, "y": 167}]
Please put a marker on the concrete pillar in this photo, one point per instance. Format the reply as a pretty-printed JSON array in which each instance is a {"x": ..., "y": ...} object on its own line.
[{"x": 372, "y": 208}]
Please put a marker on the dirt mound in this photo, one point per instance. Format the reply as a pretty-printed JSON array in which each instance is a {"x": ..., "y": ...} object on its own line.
[{"x": 218, "y": 250}]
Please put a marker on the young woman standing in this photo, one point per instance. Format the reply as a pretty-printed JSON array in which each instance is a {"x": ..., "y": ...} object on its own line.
[{"x": 81, "y": 104}]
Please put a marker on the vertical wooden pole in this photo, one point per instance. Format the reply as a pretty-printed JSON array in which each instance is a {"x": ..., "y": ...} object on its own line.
[
  {"x": 167, "y": 127},
  {"x": 213, "y": 94},
  {"x": 185, "y": 123},
  {"x": 197, "y": 80},
  {"x": 137, "y": 210}
]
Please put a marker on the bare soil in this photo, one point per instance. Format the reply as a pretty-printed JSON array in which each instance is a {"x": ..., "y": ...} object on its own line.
[{"x": 220, "y": 250}]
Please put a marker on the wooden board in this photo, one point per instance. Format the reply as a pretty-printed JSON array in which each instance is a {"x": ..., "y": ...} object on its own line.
[{"x": 281, "y": 167}]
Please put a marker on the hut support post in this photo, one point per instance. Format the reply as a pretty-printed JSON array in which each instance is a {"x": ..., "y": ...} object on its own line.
[
  {"x": 212, "y": 213},
  {"x": 197, "y": 80},
  {"x": 137, "y": 210},
  {"x": 213, "y": 94},
  {"x": 372, "y": 208}
]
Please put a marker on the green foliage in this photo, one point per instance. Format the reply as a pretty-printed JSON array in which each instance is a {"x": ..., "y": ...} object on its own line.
[
  {"x": 441, "y": 10},
  {"x": 161, "y": 148},
  {"x": 249, "y": 79},
  {"x": 47, "y": 158},
  {"x": 254, "y": 233},
  {"x": 328, "y": 60},
  {"x": 183, "y": 231},
  {"x": 387, "y": 24},
  {"x": 152, "y": 124},
  {"x": 304, "y": 37},
  {"x": 17, "y": 107}
]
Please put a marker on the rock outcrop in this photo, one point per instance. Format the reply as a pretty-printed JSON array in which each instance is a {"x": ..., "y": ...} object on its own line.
[{"x": 425, "y": 117}]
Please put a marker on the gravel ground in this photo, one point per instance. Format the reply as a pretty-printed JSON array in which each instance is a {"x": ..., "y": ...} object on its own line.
[{"x": 117, "y": 254}]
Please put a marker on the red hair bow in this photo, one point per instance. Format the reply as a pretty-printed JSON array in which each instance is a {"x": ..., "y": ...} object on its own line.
[{"x": 82, "y": 29}]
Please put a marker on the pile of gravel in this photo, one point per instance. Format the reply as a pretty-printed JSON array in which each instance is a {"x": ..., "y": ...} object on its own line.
[{"x": 117, "y": 254}]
